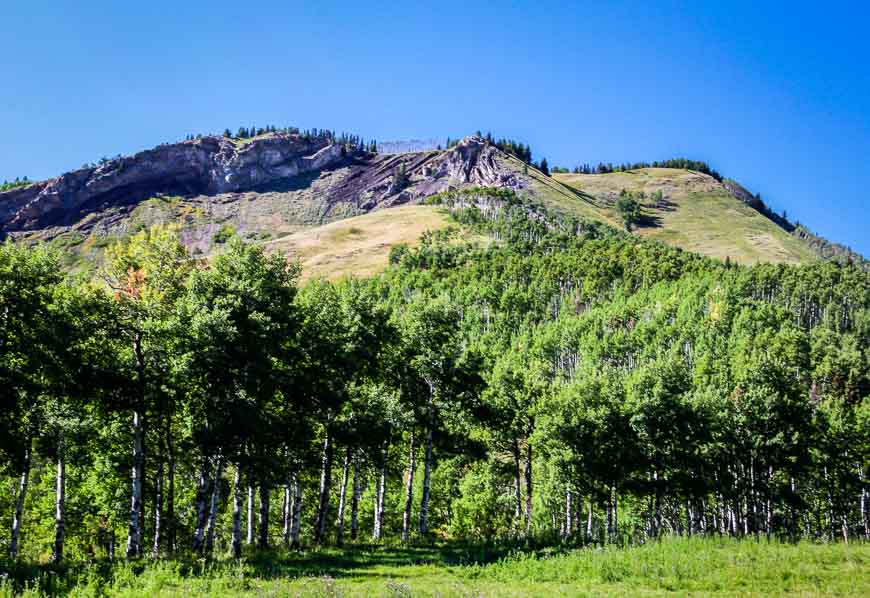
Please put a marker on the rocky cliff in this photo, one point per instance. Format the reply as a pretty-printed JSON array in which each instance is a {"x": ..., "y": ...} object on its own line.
[
  {"x": 205, "y": 166},
  {"x": 222, "y": 168}
]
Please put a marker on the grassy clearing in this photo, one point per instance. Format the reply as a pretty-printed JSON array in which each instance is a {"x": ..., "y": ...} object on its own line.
[
  {"x": 702, "y": 567},
  {"x": 698, "y": 215},
  {"x": 360, "y": 245}
]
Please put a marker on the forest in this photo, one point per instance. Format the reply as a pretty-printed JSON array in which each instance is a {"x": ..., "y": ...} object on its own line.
[{"x": 555, "y": 382}]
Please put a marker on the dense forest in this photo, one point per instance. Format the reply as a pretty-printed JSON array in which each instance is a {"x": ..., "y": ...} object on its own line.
[{"x": 556, "y": 380}]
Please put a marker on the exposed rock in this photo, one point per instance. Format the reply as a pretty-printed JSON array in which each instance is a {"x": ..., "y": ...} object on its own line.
[
  {"x": 205, "y": 166},
  {"x": 214, "y": 166}
]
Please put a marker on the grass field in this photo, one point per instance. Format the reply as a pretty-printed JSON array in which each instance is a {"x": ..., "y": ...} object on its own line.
[
  {"x": 698, "y": 215},
  {"x": 360, "y": 245},
  {"x": 682, "y": 567}
]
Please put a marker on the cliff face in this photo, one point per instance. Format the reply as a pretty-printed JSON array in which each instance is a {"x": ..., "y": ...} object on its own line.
[
  {"x": 218, "y": 167},
  {"x": 205, "y": 166}
]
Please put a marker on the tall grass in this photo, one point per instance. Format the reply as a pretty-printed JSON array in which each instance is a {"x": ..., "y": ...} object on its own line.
[{"x": 673, "y": 566}]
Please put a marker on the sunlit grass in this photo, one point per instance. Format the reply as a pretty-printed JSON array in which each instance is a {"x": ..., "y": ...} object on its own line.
[{"x": 703, "y": 567}]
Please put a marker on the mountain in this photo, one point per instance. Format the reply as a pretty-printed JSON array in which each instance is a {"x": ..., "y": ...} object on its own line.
[{"x": 327, "y": 202}]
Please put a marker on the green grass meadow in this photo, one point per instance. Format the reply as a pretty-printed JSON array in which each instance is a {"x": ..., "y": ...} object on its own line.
[{"x": 678, "y": 567}]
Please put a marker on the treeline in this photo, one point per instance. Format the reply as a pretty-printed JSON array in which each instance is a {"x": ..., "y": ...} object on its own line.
[
  {"x": 829, "y": 250},
  {"x": 681, "y": 163},
  {"x": 565, "y": 382},
  {"x": 18, "y": 182},
  {"x": 349, "y": 140}
]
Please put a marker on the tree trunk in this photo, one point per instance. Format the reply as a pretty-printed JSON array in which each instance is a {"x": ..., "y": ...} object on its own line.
[
  {"x": 286, "y": 515},
  {"x": 134, "y": 532},
  {"x": 569, "y": 515},
  {"x": 342, "y": 498},
  {"x": 325, "y": 488},
  {"x": 249, "y": 538},
  {"x": 615, "y": 513},
  {"x": 865, "y": 515},
  {"x": 528, "y": 480},
  {"x": 409, "y": 491},
  {"x": 297, "y": 511},
  {"x": 424, "y": 501},
  {"x": 609, "y": 515},
  {"x": 354, "y": 501},
  {"x": 263, "y": 540},
  {"x": 170, "y": 495},
  {"x": 657, "y": 530},
  {"x": 158, "y": 508},
  {"x": 518, "y": 475},
  {"x": 238, "y": 503},
  {"x": 830, "y": 500},
  {"x": 380, "y": 492},
  {"x": 690, "y": 518},
  {"x": 589, "y": 521},
  {"x": 19, "y": 501},
  {"x": 213, "y": 509},
  {"x": 201, "y": 508},
  {"x": 59, "y": 503}
]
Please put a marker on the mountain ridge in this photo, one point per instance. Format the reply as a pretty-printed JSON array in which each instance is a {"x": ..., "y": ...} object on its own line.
[{"x": 274, "y": 185}]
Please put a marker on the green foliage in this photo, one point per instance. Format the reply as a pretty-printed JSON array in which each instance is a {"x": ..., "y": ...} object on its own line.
[
  {"x": 680, "y": 163},
  {"x": 9, "y": 185},
  {"x": 223, "y": 234},
  {"x": 571, "y": 384},
  {"x": 629, "y": 209}
]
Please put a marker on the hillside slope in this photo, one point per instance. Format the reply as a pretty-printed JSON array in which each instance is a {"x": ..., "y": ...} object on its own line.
[
  {"x": 286, "y": 189},
  {"x": 698, "y": 213}
]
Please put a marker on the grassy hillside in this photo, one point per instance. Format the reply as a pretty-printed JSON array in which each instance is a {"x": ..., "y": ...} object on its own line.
[
  {"x": 320, "y": 215},
  {"x": 698, "y": 214},
  {"x": 360, "y": 245}
]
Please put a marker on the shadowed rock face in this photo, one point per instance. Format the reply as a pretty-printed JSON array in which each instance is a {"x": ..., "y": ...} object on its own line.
[{"x": 213, "y": 166}]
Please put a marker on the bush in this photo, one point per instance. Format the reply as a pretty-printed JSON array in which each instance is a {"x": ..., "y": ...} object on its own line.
[{"x": 224, "y": 234}]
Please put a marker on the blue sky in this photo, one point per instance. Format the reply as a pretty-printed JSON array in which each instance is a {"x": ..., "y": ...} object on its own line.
[{"x": 776, "y": 98}]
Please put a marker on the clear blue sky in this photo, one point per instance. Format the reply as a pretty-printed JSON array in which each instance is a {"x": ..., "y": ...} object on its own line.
[{"x": 776, "y": 95}]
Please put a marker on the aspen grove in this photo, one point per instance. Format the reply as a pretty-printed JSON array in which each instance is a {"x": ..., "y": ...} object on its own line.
[{"x": 555, "y": 380}]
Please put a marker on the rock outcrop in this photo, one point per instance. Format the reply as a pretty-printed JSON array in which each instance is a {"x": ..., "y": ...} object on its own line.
[
  {"x": 213, "y": 166},
  {"x": 204, "y": 166}
]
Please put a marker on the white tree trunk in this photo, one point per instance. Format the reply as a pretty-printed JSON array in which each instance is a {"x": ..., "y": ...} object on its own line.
[
  {"x": 424, "y": 501},
  {"x": 249, "y": 537},
  {"x": 325, "y": 489},
  {"x": 286, "y": 515},
  {"x": 518, "y": 474},
  {"x": 158, "y": 508},
  {"x": 59, "y": 504},
  {"x": 201, "y": 506},
  {"x": 380, "y": 492},
  {"x": 589, "y": 520},
  {"x": 528, "y": 480},
  {"x": 134, "y": 532},
  {"x": 236, "y": 542},
  {"x": 297, "y": 511},
  {"x": 354, "y": 500},
  {"x": 170, "y": 494},
  {"x": 569, "y": 515},
  {"x": 19, "y": 502},
  {"x": 213, "y": 508},
  {"x": 342, "y": 498},
  {"x": 409, "y": 492}
]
